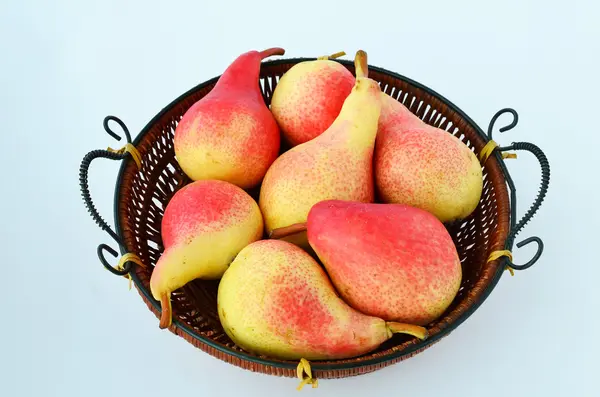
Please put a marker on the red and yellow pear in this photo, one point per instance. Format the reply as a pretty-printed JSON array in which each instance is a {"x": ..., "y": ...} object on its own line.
[
  {"x": 276, "y": 300},
  {"x": 338, "y": 164},
  {"x": 309, "y": 97},
  {"x": 204, "y": 226},
  {"x": 424, "y": 166},
  {"x": 230, "y": 134},
  {"x": 391, "y": 261}
]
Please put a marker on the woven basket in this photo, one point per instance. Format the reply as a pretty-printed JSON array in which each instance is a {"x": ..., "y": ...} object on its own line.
[{"x": 142, "y": 194}]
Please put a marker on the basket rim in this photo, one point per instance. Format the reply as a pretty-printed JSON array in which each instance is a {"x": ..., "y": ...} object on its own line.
[{"x": 420, "y": 345}]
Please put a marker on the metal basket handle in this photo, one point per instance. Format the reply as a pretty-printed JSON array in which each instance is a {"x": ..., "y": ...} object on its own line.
[
  {"x": 85, "y": 193},
  {"x": 516, "y": 227}
]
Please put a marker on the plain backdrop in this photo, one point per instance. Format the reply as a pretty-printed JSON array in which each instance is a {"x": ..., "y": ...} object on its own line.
[{"x": 70, "y": 328}]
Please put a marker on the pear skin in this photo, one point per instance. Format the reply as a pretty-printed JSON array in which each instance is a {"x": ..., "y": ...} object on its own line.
[
  {"x": 335, "y": 165},
  {"x": 276, "y": 300},
  {"x": 204, "y": 226},
  {"x": 392, "y": 261},
  {"x": 230, "y": 134},
  {"x": 423, "y": 166},
  {"x": 309, "y": 97}
]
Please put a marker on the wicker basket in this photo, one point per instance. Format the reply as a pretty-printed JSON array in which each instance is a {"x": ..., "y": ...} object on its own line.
[{"x": 484, "y": 239}]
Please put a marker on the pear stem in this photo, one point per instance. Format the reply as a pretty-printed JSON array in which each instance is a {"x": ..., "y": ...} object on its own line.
[
  {"x": 360, "y": 64},
  {"x": 332, "y": 56},
  {"x": 287, "y": 230},
  {"x": 271, "y": 51},
  {"x": 414, "y": 330},
  {"x": 165, "y": 317}
]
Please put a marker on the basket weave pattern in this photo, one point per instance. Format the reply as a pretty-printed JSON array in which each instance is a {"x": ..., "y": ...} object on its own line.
[{"x": 143, "y": 195}]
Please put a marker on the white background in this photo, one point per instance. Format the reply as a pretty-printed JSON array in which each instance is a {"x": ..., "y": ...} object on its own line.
[{"x": 69, "y": 328}]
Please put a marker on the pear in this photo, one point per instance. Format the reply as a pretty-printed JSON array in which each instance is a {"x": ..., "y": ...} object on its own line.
[
  {"x": 276, "y": 300},
  {"x": 230, "y": 134},
  {"x": 391, "y": 261},
  {"x": 309, "y": 97},
  {"x": 204, "y": 226},
  {"x": 335, "y": 165},
  {"x": 424, "y": 166}
]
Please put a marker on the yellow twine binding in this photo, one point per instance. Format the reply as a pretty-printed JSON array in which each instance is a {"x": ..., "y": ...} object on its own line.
[
  {"x": 489, "y": 148},
  {"x": 304, "y": 368},
  {"x": 129, "y": 148},
  {"x": 129, "y": 257},
  {"x": 499, "y": 254},
  {"x": 484, "y": 155}
]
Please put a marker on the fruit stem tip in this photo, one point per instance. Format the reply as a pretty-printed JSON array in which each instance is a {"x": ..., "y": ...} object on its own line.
[
  {"x": 332, "y": 56},
  {"x": 360, "y": 64},
  {"x": 287, "y": 230},
  {"x": 272, "y": 51},
  {"x": 165, "y": 316},
  {"x": 414, "y": 330},
  {"x": 337, "y": 55}
]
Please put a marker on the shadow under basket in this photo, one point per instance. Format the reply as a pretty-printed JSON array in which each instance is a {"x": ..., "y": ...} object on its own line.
[{"x": 483, "y": 240}]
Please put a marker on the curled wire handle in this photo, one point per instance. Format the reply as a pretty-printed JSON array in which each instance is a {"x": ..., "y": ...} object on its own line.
[
  {"x": 87, "y": 198},
  {"x": 85, "y": 191},
  {"x": 121, "y": 124},
  {"x": 84, "y": 171},
  {"x": 112, "y": 269},
  {"x": 538, "y": 253},
  {"x": 499, "y": 113},
  {"x": 545, "y": 165}
]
